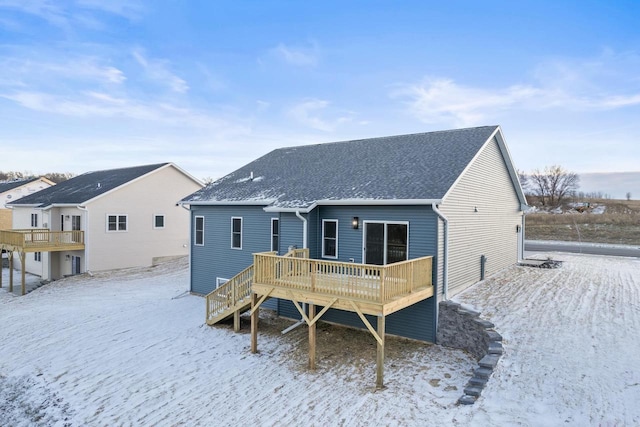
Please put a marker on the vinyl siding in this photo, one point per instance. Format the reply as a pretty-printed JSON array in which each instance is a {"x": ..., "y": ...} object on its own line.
[
  {"x": 491, "y": 231},
  {"x": 216, "y": 258},
  {"x": 417, "y": 321}
]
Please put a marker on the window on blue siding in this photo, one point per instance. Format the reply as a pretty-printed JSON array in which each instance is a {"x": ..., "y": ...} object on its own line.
[
  {"x": 330, "y": 238},
  {"x": 198, "y": 233},
  {"x": 275, "y": 234},
  {"x": 34, "y": 220},
  {"x": 236, "y": 233},
  {"x": 37, "y": 256}
]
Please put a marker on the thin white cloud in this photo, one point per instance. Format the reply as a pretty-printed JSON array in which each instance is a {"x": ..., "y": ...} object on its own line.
[
  {"x": 578, "y": 86},
  {"x": 157, "y": 70},
  {"x": 45, "y": 9},
  {"x": 298, "y": 56},
  {"x": 104, "y": 105},
  {"x": 130, "y": 9},
  {"x": 27, "y": 71},
  {"x": 310, "y": 113}
]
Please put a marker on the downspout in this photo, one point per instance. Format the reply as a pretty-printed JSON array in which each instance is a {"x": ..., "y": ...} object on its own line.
[
  {"x": 191, "y": 226},
  {"x": 304, "y": 229},
  {"x": 445, "y": 261},
  {"x": 86, "y": 240},
  {"x": 304, "y": 246}
]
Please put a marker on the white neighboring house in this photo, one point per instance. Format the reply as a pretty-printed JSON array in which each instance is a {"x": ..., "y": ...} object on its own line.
[
  {"x": 10, "y": 191},
  {"x": 125, "y": 217}
]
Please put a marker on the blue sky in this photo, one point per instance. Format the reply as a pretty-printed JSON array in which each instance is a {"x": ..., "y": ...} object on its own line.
[{"x": 212, "y": 85}]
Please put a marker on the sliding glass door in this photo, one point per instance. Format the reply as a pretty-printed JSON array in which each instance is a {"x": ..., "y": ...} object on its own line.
[{"x": 385, "y": 242}]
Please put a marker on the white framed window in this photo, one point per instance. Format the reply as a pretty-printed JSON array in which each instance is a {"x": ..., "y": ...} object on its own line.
[
  {"x": 37, "y": 256},
  {"x": 158, "y": 221},
  {"x": 198, "y": 231},
  {"x": 220, "y": 281},
  {"x": 330, "y": 238},
  {"x": 236, "y": 232},
  {"x": 117, "y": 223},
  {"x": 275, "y": 234},
  {"x": 34, "y": 220}
]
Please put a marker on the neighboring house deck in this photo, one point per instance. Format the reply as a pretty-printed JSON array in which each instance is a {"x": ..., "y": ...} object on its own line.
[{"x": 36, "y": 240}]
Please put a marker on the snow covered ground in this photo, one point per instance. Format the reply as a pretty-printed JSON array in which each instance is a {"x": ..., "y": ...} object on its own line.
[{"x": 130, "y": 348}]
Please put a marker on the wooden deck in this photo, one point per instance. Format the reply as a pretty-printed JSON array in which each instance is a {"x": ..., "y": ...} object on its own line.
[
  {"x": 378, "y": 290},
  {"x": 41, "y": 240},
  {"x": 37, "y": 240}
]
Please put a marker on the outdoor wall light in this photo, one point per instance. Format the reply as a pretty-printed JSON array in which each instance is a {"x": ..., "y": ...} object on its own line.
[{"x": 354, "y": 222}]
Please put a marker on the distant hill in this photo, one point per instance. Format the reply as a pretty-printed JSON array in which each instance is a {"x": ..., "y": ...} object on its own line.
[{"x": 615, "y": 184}]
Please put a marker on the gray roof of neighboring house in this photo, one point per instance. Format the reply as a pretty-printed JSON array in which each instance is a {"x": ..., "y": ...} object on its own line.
[
  {"x": 420, "y": 166},
  {"x": 10, "y": 185},
  {"x": 85, "y": 187}
]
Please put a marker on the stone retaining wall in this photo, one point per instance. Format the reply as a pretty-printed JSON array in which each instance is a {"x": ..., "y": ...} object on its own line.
[{"x": 462, "y": 328}]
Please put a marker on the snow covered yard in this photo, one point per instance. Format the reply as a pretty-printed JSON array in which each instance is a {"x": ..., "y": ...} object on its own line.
[{"x": 129, "y": 348}]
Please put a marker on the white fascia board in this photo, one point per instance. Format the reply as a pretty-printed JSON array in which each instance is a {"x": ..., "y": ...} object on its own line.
[
  {"x": 357, "y": 202},
  {"x": 23, "y": 205},
  {"x": 228, "y": 203}
]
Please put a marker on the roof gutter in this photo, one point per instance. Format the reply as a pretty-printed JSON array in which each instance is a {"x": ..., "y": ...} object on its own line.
[
  {"x": 445, "y": 261},
  {"x": 226, "y": 202},
  {"x": 355, "y": 202}
]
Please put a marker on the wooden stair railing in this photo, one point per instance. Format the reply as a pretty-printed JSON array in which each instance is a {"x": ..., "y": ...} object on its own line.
[{"x": 235, "y": 295}]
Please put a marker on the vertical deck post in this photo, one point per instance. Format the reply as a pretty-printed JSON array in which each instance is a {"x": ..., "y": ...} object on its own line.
[
  {"x": 23, "y": 258},
  {"x": 380, "y": 354},
  {"x": 312, "y": 338},
  {"x": 11, "y": 271},
  {"x": 236, "y": 314},
  {"x": 254, "y": 323}
]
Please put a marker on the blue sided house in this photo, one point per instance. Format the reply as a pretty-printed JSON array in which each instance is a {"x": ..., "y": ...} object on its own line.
[{"x": 358, "y": 231}]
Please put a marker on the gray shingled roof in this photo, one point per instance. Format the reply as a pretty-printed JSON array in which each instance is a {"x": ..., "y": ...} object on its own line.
[
  {"x": 10, "y": 185},
  {"x": 85, "y": 187},
  {"x": 419, "y": 166}
]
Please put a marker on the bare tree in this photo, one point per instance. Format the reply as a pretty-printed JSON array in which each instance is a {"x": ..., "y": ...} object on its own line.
[
  {"x": 553, "y": 185},
  {"x": 628, "y": 195}
]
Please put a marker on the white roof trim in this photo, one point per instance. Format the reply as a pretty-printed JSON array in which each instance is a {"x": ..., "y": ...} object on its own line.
[
  {"x": 228, "y": 203},
  {"x": 356, "y": 202},
  {"x": 507, "y": 160}
]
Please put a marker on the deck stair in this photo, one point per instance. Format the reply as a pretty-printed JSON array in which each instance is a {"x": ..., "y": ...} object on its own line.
[
  {"x": 231, "y": 298},
  {"x": 234, "y": 297}
]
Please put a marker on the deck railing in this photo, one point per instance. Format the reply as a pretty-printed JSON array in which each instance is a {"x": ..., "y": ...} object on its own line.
[
  {"x": 236, "y": 292},
  {"x": 41, "y": 237},
  {"x": 227, "y": 296},
  {"x": 374, "y": 283}
]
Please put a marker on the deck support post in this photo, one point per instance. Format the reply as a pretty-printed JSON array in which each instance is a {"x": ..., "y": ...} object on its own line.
[
  {"x": 236, "y": 321},
  {"x": 380, "y": 354},
  {"x": 254, "y": 322},
  {"x": 11, "y": 271},
  {"x": 312, "y": 337},
  {"x": 23, "y": 258}
]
